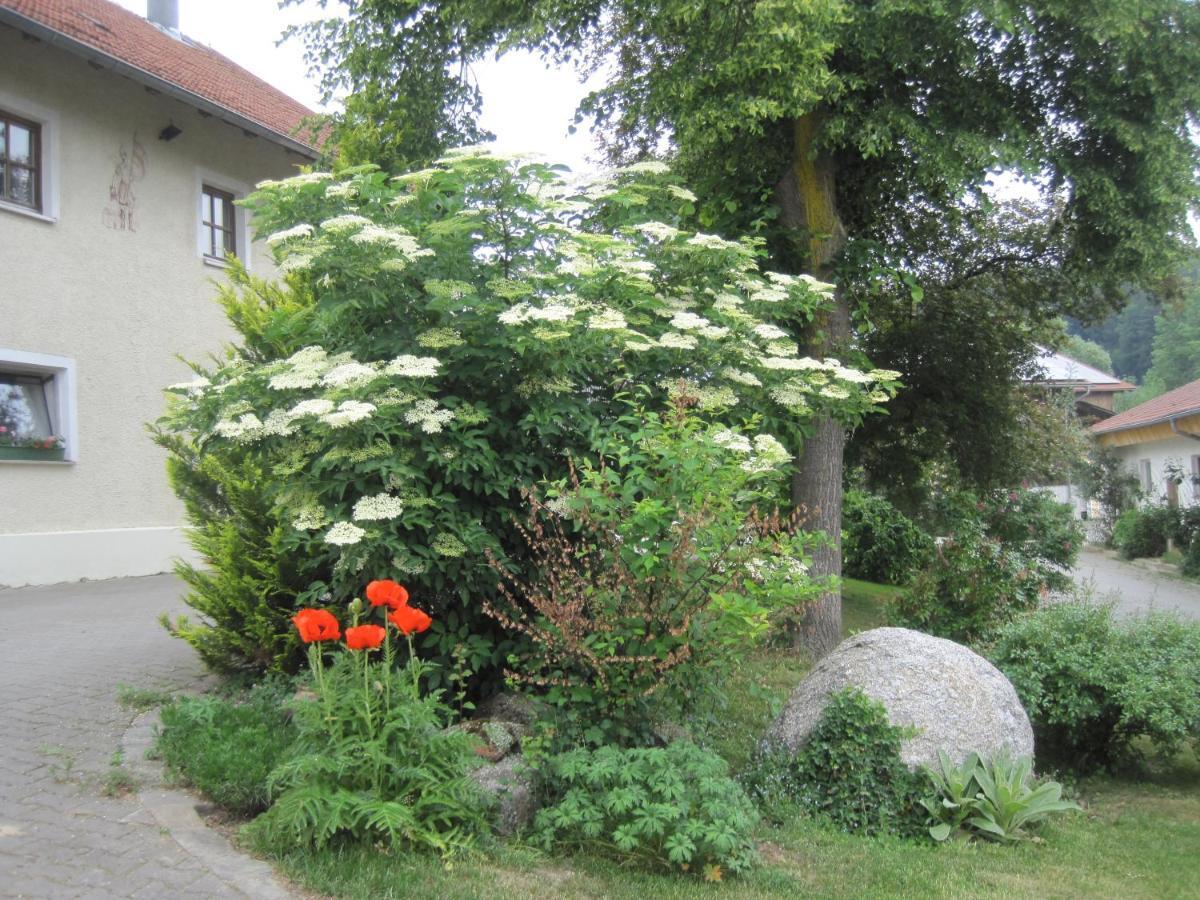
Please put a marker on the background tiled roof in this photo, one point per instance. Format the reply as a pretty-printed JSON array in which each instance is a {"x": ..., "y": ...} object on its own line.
[
  {"x": 1182, "y": 400},
  {"x": 195, "y": 68}
]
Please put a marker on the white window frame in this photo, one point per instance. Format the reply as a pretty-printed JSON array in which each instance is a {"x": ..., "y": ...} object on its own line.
[
  {"x": 47, "y": 120},
  {"x": 1146, "y": 475},
  {"x": 241, "y": 221},
  {"x": 60, "y": 394}
]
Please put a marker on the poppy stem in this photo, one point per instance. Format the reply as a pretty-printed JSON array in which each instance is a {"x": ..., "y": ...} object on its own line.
[{"x": 412, "y": 666}]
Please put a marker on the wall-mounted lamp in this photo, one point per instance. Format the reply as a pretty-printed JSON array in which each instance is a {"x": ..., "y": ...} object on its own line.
[{"x": 169, "y": 133}]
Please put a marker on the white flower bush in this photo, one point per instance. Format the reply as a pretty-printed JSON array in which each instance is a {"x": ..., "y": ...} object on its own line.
[{"x": 443, "y": 339}]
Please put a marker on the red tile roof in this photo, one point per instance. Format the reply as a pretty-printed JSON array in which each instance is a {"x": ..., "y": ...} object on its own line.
[
  {"x": 194, "y": 68},
  {"x": 1179, "y": 402}
]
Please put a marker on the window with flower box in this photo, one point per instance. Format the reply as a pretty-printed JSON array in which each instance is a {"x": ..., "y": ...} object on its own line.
[{"x": 37, "y": 407}]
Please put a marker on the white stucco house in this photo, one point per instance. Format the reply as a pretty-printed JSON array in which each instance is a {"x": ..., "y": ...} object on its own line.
[
  {"x": 123, "y": 146},
  {"x": 1159, "y": 442}
]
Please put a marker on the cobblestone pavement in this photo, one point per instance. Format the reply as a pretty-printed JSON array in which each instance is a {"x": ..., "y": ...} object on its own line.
[
  {"x": 64, "y": 649},
  {"x": 1134, "y": 588}
]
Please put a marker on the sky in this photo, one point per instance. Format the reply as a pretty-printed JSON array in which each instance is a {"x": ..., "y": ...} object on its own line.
[{"x": 526, "y": 105}]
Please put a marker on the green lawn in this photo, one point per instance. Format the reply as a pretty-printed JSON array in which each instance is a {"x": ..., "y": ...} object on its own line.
[{"x": 1135, "y": 839}]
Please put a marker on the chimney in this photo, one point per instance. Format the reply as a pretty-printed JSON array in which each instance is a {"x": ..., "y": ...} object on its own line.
[{"x": 164, "y": 14}]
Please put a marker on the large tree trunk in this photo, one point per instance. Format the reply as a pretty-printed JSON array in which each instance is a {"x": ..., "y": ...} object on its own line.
[{"x": 807, "y": 200}]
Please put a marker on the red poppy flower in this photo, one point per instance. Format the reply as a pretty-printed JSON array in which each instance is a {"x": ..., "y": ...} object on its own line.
[
  {"x": 316, "y": 625},
  {"x": 365, "y": 637},
  {"x": 410, "y": 620},
  {"x": 387, "y": 593}
]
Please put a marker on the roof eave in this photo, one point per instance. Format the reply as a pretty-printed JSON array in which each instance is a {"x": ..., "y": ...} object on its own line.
[
  {"x": 1160, "y": 420},
  {"x": 169, "y": 88}
]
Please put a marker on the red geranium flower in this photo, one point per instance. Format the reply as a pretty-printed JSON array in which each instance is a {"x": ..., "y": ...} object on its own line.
[
  {"x": 410, "y": 620},
  {"x": 387, "y": 593},
  {"x": 365, "y": 637},
  {"x": 316, "y": 625}
]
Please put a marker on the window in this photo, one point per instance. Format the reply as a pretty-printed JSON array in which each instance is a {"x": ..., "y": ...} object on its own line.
[
  {"x": 1147, "y": 476},
  {"x": 20, "y": 161},
  {"x": 218, "y": 223},
  {"x": 37, "y": 407}
]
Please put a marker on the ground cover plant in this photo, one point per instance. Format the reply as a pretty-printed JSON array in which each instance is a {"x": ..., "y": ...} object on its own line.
[
  {"x": 1095, "y": 687},
  {"x": 226, "y": 747},
  {"x": 443, "y": 340},
  {"x": 848, "y": 773},
  {"x": 673, "y": 808},
  {"x": 994, "y": 799}
]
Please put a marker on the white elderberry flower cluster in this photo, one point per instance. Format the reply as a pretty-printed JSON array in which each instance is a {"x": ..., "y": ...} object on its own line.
[
  {"x": 731, "y": 440},
  {"x": 309, "y": 518},
  {"x": 344, "y": 534},
  {"x": 350, "y": 373},
  {"x": 768, "y": 454},
  {"x": 770, "y": 332},
  {"x": 427, "y": 414},
  {"x": 740, "y": 377},
  {"x": 296, "y": 180},
  {"x": 345, "y": 223},
  {"x": 316, "y": 407},
  {"x": 191, "y": 388},
  {"x": 446, "y": 544},
  {"x": 523, "y": 312},
  {"x": 378, "y": 508},
  {"x": 408, "y": 366},
  {"x": 659, "y": 231},
  {"x": 347, "y": 413},
  {"x": 681, "y": 193},
  {"x": 302, "y": 230},
  {"x": 246, "y": 427},
  {"x": 647, "y": 167},
  {"x": 677, "y": 341},
  {"x": 607, "y": 319},
  {"x": 713, "y": 242}
]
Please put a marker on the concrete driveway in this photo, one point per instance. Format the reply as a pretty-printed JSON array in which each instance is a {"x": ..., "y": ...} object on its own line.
[
  {"x": 64, "y": 649},
  {"x": 1136, "y": 589}
]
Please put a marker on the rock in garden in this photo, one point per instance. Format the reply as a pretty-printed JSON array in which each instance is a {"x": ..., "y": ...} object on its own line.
[
  {"x": 958, "y": 701},
  {"x": 512, "y": 789}
]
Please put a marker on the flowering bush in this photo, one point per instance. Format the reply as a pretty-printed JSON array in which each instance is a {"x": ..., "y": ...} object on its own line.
[
  {"x": 653, "y": 570},
  {"x": 446, "y": 338},
  {"x": 373, "y": 760}
]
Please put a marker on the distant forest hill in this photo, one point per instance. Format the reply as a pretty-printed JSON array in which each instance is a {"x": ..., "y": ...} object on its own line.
[{"x": 1152, "y": 343}]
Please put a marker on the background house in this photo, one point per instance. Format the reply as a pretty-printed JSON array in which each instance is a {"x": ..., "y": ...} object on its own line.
[
  {"x": 1159, "y": 441},
  {"x": 1095, "y": 391},
  {"x": 122, "y": 148}
]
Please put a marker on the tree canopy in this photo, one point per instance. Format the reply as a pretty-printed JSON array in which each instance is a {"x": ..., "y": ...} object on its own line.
[{"x": 853, "y": 134}]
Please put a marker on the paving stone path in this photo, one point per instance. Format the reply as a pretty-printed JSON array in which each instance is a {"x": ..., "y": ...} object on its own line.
[{"x": 64, "y": 649}]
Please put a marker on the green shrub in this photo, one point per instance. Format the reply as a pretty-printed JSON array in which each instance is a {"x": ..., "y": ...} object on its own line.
[
  {"x": 880, "y": 543},
  {"x": 996, "y": 800},
  {"x": 1092, "y": 685},
  {"x": 246, "y": 590},
  {"x": 848, "y": 773},
  {"x": 973, "y": 585},
  {"x": 672, "y": 808},
  {"x": 1006, "y": 553},
  {"x": 1143, "y": 532},
  {"x": 445, "y": 339},
  {"x": 373, "y": 762},
  {"x": 653, "y": 575},
  {"x": 226, "y": 747}
]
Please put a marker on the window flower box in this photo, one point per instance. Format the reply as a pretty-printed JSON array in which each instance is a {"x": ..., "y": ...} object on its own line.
[{"x": 32, "y": 454}]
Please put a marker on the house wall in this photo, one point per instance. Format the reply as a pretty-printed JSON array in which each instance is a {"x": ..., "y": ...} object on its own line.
[
  {"x": 1183, "y": 453},
  {"x": 119, "y": 302}
]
